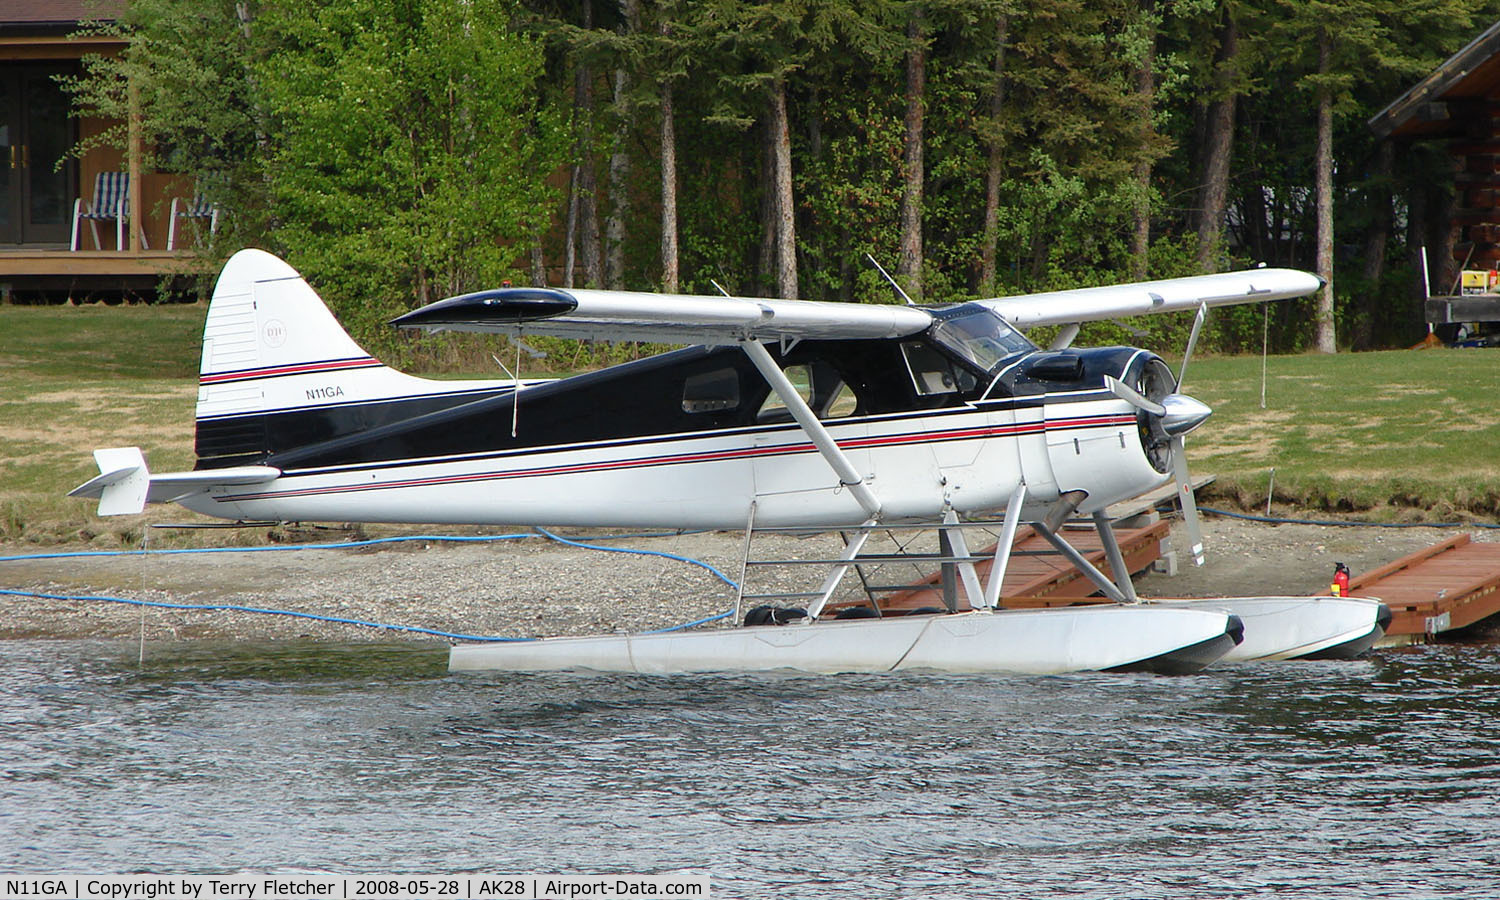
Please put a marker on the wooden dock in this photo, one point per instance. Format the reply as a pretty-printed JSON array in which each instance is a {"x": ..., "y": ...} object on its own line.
[
  {"x": 1444, "y": 587},
  {"x": 1038, "y": 576},
  {"x": 1447, "y": 586}
]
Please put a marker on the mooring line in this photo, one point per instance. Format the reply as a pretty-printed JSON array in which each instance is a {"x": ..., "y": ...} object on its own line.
[{"x": 344, "y": 545}]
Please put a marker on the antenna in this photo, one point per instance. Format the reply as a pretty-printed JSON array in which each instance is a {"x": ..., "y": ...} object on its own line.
[{"x": 899, "y": 293}]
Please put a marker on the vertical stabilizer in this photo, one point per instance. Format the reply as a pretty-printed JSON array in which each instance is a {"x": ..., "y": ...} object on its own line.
[
  {"x": 278, "y": 370},
  {"x": 270, "y": 343}
]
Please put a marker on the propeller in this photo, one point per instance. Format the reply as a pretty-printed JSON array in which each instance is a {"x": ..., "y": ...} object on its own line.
[{"x": 1177, "y": 414}]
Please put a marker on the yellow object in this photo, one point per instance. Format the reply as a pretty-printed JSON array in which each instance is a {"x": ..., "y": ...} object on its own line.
[{"x": 1475, "y": 281}]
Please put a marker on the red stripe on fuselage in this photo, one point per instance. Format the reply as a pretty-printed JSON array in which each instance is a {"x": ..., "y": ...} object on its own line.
[
  {"x": 309, "y": 368},
  {"x": 894, "y": 440}
]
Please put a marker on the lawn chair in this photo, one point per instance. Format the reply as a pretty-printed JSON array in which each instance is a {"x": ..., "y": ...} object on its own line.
[
  {"x": 111, "y": 201},
  {"x": 199, "y": 208}
]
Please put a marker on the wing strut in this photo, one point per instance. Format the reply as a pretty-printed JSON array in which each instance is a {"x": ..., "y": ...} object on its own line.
[{"x": 842, "y": 467}]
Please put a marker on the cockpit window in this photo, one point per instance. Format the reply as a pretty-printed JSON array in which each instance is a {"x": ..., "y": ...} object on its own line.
[{"x": 981, "y": 337}]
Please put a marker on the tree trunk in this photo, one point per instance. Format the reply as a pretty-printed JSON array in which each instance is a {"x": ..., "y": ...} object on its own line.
[
  {"x": 588, "y": 185},
  {"x": 538, "y": 264},
  {"x": 668, "y": 193},
  {"x": 1218, "y": 148},
  {"x": 619, "y": 193},
  {"x": 570, "y": 233},
  {"x": 619, "y": 163},
  {"x": 1326, "y": 339},
  {"x": 909, "y": 265},
  {"x": 786, "y": 234},
  {"x": 988, "y": 272},
  {"x": 1145, "y": 89},
  {"x": 766, "y": 261},
  {"x": 1376, "y": 238}
]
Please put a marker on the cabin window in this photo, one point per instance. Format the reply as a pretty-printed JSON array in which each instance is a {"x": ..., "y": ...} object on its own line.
[
  {"x": 842, "y": 404},
  {"x": 981, "y": 337},
  {"x": 932, "y": 373},
  {"x": 820, "y": 387},
  {"x": 716, "y": 391},
  {"x": 773, "y": 410}
]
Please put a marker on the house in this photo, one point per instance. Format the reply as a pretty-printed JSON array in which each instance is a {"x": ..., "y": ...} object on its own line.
[
  {"x": 1459, "y": 104},
  {"x": 40, "y": 178}
]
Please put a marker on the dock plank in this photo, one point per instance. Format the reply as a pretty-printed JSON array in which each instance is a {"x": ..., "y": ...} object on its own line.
[{"x": 1452, "y": 584}]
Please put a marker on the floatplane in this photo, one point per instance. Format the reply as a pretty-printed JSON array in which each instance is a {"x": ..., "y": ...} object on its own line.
[{"x": 783, "y": 414}]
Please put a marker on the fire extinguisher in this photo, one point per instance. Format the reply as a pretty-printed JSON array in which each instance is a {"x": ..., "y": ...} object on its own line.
[{"x": 1340, "y": 580}]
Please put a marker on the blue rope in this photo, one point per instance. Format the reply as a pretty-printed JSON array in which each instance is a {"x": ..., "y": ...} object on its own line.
[
  {"x": 697, "y": 562},
  {"x": 232, "y": 607},
  {"x": 334, "y": 545},
  {"x": 1333, "y": 522},
  {"x": 343, "y": 545}
]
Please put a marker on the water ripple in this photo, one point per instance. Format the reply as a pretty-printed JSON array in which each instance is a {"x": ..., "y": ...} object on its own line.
[{"x": 1368, "y": 779}]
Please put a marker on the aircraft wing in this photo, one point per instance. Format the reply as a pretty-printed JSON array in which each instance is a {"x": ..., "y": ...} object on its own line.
[
  {"x": 662, "y": 318},
  {"x": 1171, "y": 295},
  {"x": 687, "y": 319}
]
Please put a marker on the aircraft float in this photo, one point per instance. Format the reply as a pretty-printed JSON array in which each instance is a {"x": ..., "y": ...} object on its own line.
[{"x": 780, "y": 414}]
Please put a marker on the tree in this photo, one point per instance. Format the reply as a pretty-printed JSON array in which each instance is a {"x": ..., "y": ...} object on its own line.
[
  {"x": 192, "y": 65},
  {"x": 910, "y": 259},
  {"x": 1218, "y": 148}
]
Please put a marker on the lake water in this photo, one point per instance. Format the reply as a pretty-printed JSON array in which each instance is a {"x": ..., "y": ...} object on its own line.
[{"x": 1378, "y": 778}]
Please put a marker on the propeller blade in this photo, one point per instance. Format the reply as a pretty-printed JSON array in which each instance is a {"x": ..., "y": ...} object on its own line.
[
  {"x": 1185, "y": 497},
  {"x": 1132, "y": 396},
  {"x": 1192, "y": 342}
]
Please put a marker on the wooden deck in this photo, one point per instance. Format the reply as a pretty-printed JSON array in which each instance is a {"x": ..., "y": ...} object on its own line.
[
  {"x": 14, "y": 263},
  {"x": 94, "y": 272},
  {"x": 1444, "y": 587}
]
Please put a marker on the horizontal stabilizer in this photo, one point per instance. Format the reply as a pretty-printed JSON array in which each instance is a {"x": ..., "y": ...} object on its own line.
[
  {"x": 124, "y": 485},
  {"x": 122, "y": 482}
]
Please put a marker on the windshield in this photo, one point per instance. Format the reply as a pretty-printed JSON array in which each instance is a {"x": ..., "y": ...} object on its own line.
[{"x": 981, "y": 337}]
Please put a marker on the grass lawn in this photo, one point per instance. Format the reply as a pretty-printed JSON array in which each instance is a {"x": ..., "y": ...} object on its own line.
[
  {"x": 1400, "y": 434},
  {"x": 77, "y": 378}
]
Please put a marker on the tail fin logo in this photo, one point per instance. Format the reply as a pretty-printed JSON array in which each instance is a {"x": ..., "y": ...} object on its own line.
[{"x": 274, "y": 333}]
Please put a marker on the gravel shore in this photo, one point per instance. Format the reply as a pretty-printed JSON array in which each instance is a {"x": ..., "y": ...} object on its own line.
[{"x": 536, "y": 586}]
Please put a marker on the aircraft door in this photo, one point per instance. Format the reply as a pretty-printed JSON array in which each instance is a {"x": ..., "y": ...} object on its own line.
[{"x": 791, "y": 476}]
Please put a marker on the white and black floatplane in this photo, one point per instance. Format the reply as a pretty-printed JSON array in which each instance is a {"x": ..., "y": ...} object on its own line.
[{"x": 783, "y": 414}]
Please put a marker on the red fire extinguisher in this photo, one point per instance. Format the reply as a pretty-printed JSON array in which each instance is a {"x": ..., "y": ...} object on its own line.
[{"x": 1340, "y": 580}]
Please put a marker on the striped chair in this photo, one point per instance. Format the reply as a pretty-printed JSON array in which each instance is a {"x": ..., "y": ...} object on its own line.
[
  {"x": 111, "y": 201},
  {"x": 199, "y": 208}
]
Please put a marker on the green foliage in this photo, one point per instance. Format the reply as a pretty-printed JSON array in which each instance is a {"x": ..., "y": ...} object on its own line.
[
  {"x": 405, "y": 151},
  {"x": 398, "y": 152},
  {"x": 390, "y": 151}
]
